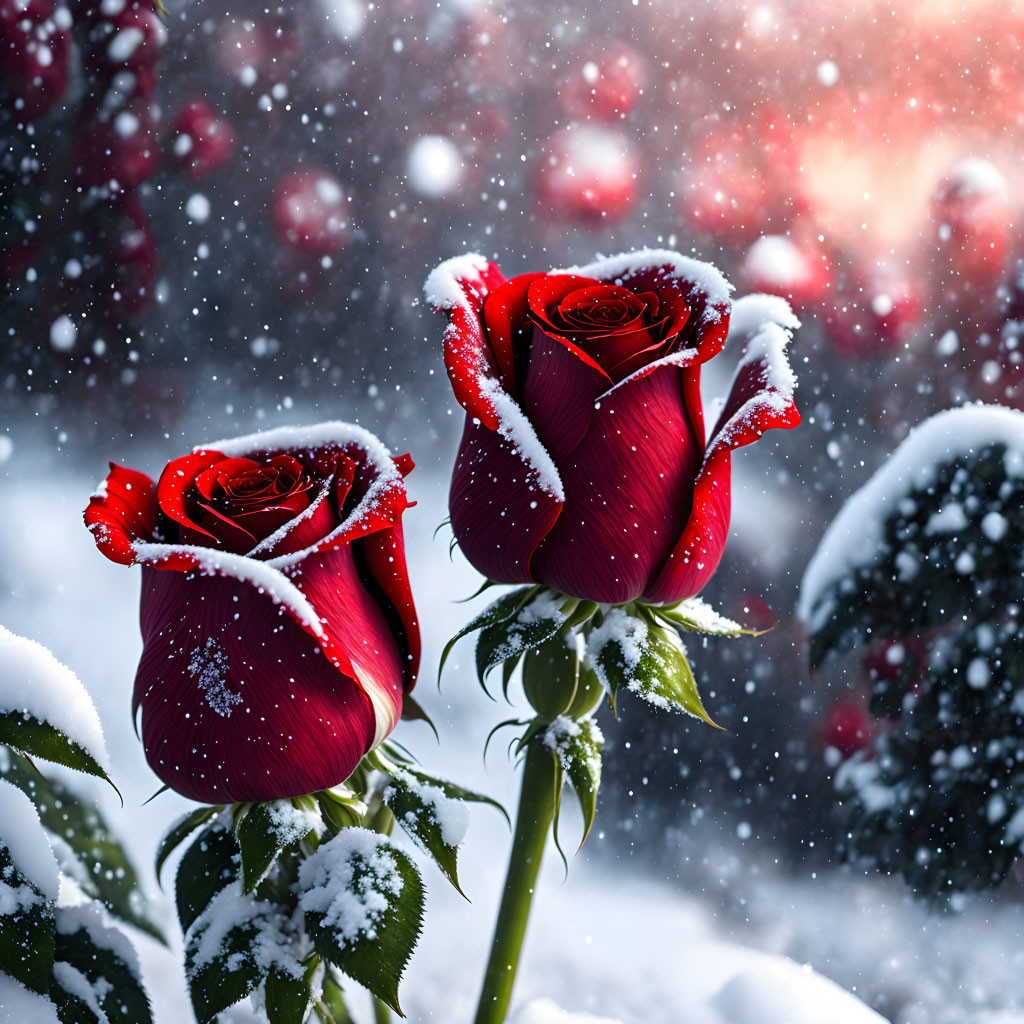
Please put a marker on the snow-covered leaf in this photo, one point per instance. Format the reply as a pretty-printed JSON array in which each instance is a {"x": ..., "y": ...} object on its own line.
[
  {"x": 535, "y": 621},
  {"x": 207, "y": 867},
  {"x": 696, "y": 616},
  {"x": 45, "y": 711},
  {"x": 454, "y": 791},
  {"x": 436, "y": 823},
  {"x": 231, "y": 947},
  {"x": 628, "y": 652},
  {"x": 363, "y": 902},
  {"x": 105, "y": 958},
  {"x": 73, "y": 997},
  {"x": 179, "y": 832},
  {"x": 263, "y": 830},
  {"x": 84, "y": 844},
  {"x": 27, "y": 924},
  {"x": 504, "y": 608},
  {"x": 23, "y": 732},
  {"x": 287, "y": 996},
  {"x": 578, "y": 746}
]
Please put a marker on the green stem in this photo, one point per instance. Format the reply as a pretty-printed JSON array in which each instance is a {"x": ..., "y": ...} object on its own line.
[
  {"x": 381, "y": 1012},
  {"x": 536, "y": 810}
]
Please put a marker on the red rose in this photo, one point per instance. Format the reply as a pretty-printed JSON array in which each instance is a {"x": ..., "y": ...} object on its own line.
[
  {"x": 584, "y": 464},
  {"x": 278, "y": 625}
]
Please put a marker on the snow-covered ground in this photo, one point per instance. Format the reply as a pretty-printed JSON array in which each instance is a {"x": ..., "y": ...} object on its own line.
[{"x": 726, "y": 938}]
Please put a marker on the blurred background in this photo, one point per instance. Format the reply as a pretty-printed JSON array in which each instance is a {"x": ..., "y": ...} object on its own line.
[{"x": 220, "y": 218}]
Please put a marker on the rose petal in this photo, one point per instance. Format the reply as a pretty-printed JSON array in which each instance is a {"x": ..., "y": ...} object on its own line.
[
  {"x": 124, "y": 511},
  {"x": 177, "y": 477},
  {"x": 241, "y": 707},
  {"x": 354, "y": 622},
  {"x": 559, "y": 393},
  {"x": 761, "y": 398},
  {"x": 499, "y": 512},
  {"x": 628, "y": 487},
  {"x": 458, "y": 288},
  {"x": 384, "y": 552},
  {"x": 505, "y": 313}
]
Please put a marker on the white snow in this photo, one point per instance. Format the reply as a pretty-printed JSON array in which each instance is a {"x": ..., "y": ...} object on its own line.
[
  {"x": 994, "y": 526},
  {"x": 262, "y": 575},
  {"x": 973, "y": 176},
  {"x": 519, "y": 432},
  {"x": 621, "y": 268},
  {"x": 442, "y": 289},
  {"x": 63, "y": 334},
  {"x": 434, "y": 166},
  {"x": 351, "y": 880},
  {"x": 197, "y": 207},
  {"x": 19, "y": 1006},
  {"x": 949, "y": 519},
  {"x": 544, "y": 1011},
  {"x": 73, "y": 981},
  {"x": 125, "y": 42},
  {"x": 90, "y": 918},
  {"x": 23, "y": 836},
  {"x": 751, "y": 312},
  {"x": 230, "y": 909},
  {"x": 855, "y": 536},
  {"x": 828, "y": 73},
  {"x": 776, "y": 260},
  {"x": 782, "y": 992},
  {"x": 627, "y": 632},
  {"x": 208, "y": 665},
  {"x": 706, "y": 618},
  {"x": 34, "y": 682},
  {"x": 451, "y": 816},
  {"x": 346, "y": 18},
  {"x": 292, "y": 823}
]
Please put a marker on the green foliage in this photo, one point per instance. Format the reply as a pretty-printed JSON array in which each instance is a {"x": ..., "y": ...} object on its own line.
[
  {"x": 264, "y": 830},
  {"x": 28, "y": 735},
  {"x": 95, "y": 952},
  {"x": 28, "y": 931},
  {"x": 89, "y": 851},
  {"x": 577, "y": 748},
  {"x": 208, "y": 866},
  {"x": 376, "y": 953}
]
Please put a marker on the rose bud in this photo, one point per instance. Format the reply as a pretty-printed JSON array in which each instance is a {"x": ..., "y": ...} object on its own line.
[
  {"x": 583, "y": 464},
  {"x": 308, "y": 212},
  {"x": 279, "y": 633},
  {"x": 35, "y": 51},
  {"x": 203, "y": 140},
  {"x": 588, "y": 174}
]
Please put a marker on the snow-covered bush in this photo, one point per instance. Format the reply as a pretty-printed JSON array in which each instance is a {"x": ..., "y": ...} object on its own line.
[
  {"x": 921, "y": 574},
  {"x": 66, "y": 884}
]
